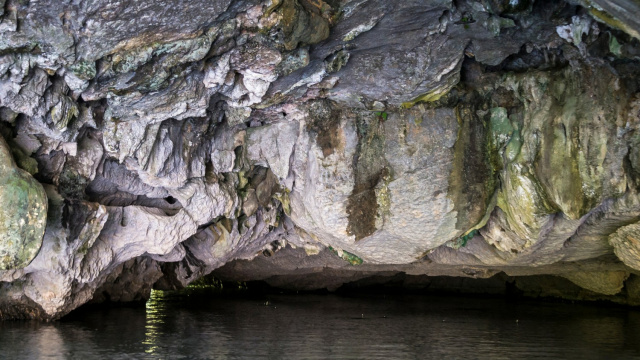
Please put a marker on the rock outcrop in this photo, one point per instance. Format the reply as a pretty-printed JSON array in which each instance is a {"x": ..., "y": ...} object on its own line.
[
  {"x": 353, "y": 137},
  {"x": 23, "y": 215}
]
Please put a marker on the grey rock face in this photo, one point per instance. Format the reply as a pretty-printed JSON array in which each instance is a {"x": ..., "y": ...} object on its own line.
[{"x": 362, "y": 136}]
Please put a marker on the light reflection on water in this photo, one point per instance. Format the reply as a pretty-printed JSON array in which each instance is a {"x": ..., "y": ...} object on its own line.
[
  {"x": 155, "y": 314},
  {"x": 203, "y": 325}
]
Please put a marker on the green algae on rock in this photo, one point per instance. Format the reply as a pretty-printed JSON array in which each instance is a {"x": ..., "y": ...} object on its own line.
[
  {"x": 347, "y": 256},
  {"x": 23, "y": 215}
]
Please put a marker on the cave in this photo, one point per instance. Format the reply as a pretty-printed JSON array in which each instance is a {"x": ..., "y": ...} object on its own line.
[{"x": 475, "y": 152}]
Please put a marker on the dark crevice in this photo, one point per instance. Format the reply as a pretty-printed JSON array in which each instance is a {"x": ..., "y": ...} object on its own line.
[{"x": 532, "y": 58}]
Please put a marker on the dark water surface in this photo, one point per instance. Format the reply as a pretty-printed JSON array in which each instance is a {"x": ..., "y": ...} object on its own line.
[{"x": 194, "y": 325}]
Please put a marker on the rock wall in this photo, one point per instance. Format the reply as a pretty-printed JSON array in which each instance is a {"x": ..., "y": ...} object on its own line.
[{"x": 432, "y": 137}]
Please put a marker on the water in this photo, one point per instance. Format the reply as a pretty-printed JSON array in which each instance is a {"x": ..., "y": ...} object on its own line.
[{"x": 193, "y": 326}]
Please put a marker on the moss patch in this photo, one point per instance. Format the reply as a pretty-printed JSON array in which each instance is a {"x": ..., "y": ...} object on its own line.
[
  {"x": 462, "y": 240},
  {"x": 347, "y": 256},
  {"x": 23, "y": 214}
]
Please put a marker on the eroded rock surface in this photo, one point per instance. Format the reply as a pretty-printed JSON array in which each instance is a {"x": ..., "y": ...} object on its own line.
[{"x": 331, "y": 140}]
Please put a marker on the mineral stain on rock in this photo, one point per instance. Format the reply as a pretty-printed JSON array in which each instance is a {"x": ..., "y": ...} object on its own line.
[
  {"x": 472, "y": 181},
  {"x": 325, "y": 124},
  {"x": 370, "y": 170}
]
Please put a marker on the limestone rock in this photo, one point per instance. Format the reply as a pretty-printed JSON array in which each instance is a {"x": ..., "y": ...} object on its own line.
[
  {"x": 328, "y": 140},
  {"x": 626, "y": 244},
  {"x": 608, "y": 283},
  {"x": 617, "y": 14},
  {"x": 23, "y": 216}
]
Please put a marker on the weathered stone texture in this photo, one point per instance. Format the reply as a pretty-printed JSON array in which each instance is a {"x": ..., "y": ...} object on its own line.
[{"x": 430, "y": 137}]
